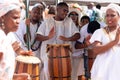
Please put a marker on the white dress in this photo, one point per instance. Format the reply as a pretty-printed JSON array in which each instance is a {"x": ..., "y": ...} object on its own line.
[
  {"x": 77, "y": 62},
  {"x": 7, "y": 64},
  {"x": 106, "y": 65},
  {"x": 66, "y": 28}
]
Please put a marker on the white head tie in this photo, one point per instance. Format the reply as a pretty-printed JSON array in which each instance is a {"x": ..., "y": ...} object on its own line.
[
  {"x": 114, "y": 7},
  {"x": 8, "y": 5}
]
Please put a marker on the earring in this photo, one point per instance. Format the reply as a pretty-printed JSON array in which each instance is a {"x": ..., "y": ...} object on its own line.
[{"x": 2, "y": 24}]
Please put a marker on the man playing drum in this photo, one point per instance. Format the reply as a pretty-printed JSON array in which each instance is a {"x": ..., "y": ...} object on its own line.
[{"x": 56, "y": 30}]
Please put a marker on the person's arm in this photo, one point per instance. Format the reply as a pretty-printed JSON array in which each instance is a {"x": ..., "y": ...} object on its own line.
[
  {"x": 18, "y": 50},
  {"x": 79, "y": 45},
  {"x": 51, "y": 34},
  {"x": 84, "y": 44},
  {"x": 98, "y": 48},
  {"x": 40, "y": 37},
  {"x": 75, "y": 37}
]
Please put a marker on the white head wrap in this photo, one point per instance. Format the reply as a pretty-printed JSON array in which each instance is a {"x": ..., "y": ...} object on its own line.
[
  {"x": 114, "y": 7},
  {"x": 75, "y": 8},
  {"x": 8, "y": 5},
  {"x": 35, "y": 5}
]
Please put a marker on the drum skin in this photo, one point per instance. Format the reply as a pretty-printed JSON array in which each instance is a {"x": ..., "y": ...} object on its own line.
[
  {"x": 59, "y": 62},
  {"x": 32, "y": 69}
]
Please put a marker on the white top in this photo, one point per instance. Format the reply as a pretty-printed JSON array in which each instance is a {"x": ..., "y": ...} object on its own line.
[
  {"x": 83, "y": 35},
  {"x": 33, "y": 29},
  {"x": 7, "y": 65},
  {"x": 89, "y": 12},
  {"x": 19, "y": 34},
  {"x": 106, "y": 65}
]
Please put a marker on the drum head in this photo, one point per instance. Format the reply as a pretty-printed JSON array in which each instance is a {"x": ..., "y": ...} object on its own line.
[{"x": 28, "y": 59}]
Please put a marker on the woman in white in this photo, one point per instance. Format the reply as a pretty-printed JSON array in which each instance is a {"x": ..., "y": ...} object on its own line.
[
  {"x": 9, "y": 20},
  {"x": 77, "y": 56},
  {"x": 106, "y": 44}
]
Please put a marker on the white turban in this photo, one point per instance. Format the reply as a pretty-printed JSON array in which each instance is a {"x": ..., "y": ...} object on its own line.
[
  {"x": 35, "y": 5},
  {"x": 75, "y": 8},
  {"x": 114, "y": 7},
  {"x": 8, "y": 5}
]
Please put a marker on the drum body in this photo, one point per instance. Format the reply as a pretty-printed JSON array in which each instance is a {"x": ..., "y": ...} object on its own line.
[
  {"x": 59, "y": 62},
  {"x": 33, "y": 69}
]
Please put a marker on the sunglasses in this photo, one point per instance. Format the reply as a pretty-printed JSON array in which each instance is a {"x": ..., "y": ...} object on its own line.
[{"x": 74, "y": 15}]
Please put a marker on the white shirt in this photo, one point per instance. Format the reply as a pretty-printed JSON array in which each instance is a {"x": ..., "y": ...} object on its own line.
[
  {"x": 8, "y": 55},
  {"x": 19, "y": 34}
]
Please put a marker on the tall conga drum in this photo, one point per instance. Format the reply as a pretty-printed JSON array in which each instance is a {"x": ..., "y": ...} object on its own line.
[
  {"x": 59, "y": 61},
  {"x": 28, "y": 64}
]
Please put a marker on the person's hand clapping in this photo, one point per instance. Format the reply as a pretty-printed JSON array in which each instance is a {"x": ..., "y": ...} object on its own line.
[
  {"x": 51, "y": 33},
  {"x": 117, "y": 38}
]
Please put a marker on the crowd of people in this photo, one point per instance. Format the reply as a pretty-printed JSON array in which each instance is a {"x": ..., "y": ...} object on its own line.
[{"x": 88, "y": 33}]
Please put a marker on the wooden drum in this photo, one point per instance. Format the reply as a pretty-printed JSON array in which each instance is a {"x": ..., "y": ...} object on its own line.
[
  {"x": 59, "y": 61},
  {"x": 28, "y": 64}
]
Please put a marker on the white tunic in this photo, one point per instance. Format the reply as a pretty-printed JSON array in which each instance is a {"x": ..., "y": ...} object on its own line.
[{"x": 106, "y": 65}]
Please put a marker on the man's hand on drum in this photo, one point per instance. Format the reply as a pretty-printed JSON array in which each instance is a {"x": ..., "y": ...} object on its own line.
[
  {"x": 29, "y": 53},
  {"x": 51, "y": 33},
  {"x": 19, "y": 50}
]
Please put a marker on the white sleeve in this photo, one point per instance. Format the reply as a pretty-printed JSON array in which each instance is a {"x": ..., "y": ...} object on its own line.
[
  {"x": 22, "y": 28},
  {"x": 11, "y": 37},
  {"x": 74, "y": 28},
  {"x": 82, "y": 37},
  {"x": 97, "y": 36},
  {"x": 41, "y": 29},
  {"x": 83, "y": 33}
]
